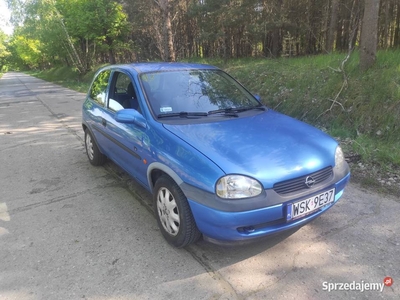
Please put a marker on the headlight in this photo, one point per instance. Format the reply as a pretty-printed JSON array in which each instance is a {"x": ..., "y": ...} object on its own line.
[
  {"x": 339, "y": 157},
  {"x": 237, "y": 187}
]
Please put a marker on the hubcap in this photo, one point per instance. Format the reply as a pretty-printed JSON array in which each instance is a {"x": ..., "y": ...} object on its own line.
[
  {"x": 89, "y": 147},
  {"x": 168, "y": 211}
]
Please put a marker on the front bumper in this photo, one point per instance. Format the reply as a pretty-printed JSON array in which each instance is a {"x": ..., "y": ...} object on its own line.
[{"x": 244, "y": 225}]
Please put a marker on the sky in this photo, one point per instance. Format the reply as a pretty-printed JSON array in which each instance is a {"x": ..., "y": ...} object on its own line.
[{"x": 4, "y": 18}]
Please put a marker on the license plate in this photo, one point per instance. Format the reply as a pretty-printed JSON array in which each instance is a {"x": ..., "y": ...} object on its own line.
[{"x": 304, "y": 207}]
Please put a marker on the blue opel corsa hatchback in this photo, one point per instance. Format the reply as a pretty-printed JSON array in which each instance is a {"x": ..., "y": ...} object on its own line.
[{"x": 218, "y": 162}]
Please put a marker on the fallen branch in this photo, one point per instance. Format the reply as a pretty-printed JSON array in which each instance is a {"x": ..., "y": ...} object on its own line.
[
  {"x": 344, "y": 84},
  {"x": 334, "y": 101},
  {"x": 340, "y": 69}
]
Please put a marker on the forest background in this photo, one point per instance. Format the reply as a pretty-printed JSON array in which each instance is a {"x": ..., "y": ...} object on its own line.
[{"x": 332, "y": 63}]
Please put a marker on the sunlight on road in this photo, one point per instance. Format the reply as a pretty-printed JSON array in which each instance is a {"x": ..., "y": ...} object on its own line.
[
  {"x": 4, "y": 213},
  {"x": 4, "y": 216}
]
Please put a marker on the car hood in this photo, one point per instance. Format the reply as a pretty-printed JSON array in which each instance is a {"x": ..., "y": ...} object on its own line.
[{"x": 268, "y": 146}]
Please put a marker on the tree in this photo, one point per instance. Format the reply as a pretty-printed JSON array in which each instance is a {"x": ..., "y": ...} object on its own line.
[
  {"x": 83, "y": 33},
  {"x": 25, "y": 51},
  {"x": 96, "y": 23},
  {"x": 369, "y": 34},
  {"x": 73, "y": 32},
  {"x": 332, "y": 25},
  {"x": 4, "y": 53},
  {"x": 167, "y": 35}
]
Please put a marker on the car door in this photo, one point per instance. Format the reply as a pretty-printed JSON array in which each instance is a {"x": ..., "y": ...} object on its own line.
[
  {"x": 95, "y": 105},
  {"x": 126, "y": 147}
]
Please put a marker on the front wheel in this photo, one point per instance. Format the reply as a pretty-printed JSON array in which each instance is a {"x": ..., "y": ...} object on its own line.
[{"x": 173, "y": 213}]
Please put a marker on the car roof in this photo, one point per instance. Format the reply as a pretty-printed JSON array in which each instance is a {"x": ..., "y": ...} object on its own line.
[{"x": 162, "y": 66}]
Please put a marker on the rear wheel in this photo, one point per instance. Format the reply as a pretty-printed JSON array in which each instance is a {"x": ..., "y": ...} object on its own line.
[
  {"x": 173, "y": 213},
  {"x": 96, "y": 158}
]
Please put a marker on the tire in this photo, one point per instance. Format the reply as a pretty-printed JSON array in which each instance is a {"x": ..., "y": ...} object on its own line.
[
  {"x": 173, "y": 214},
  {"x": 96, "y": 158}
]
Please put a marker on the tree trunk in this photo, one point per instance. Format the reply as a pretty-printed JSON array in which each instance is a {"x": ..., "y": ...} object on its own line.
[
  {"x": 111, "y": 57},
  {"x": 168, "y": 40},
  {"x": 276, "y": 32},
  {"x": 369, "y": 34},
  {"x": 312, "y": 16},
  {"x": 396, "y": 37},
  {"x": 386, "y": 36},
  {"x": 354, "y": 23},
  {"x": 75, "y": 57},
  {"x": 332, "y": 25}
]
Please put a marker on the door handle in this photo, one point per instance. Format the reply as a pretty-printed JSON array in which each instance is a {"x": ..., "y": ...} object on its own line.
[{"x": 104, "y": 122}]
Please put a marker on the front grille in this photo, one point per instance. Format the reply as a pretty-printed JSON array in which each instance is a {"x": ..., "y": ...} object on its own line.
[{"x": 299, "y": 183}]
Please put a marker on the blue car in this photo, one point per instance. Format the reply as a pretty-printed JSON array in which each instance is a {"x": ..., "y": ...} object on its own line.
[{"x": 217, "y": 161}]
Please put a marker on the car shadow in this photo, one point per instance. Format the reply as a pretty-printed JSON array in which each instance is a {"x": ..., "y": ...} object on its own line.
[{"x": 206, "y": 249}]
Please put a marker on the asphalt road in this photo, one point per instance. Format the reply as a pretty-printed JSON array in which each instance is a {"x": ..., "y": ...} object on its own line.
[{"x": 72, "y": 231}]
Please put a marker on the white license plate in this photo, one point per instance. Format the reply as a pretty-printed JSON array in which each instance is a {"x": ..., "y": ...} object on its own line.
[{"x": 304, "y": 207}]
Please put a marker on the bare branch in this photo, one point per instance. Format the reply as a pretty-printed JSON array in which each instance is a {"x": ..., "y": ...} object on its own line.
[{"x": 342, "y": 65}]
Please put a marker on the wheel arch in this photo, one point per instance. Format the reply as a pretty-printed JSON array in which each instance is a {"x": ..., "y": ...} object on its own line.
[
  {"x": 84, "y": 127},
  {"x": 87, "y": 127},
  {"x": 156, "y": 170}
]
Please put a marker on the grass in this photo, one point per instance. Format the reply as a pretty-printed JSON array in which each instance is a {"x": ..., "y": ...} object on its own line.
[
  {"x": 368, "y": 116},
  {"x": 305, "y": 87},
  {"x": 67, "y": 77}
]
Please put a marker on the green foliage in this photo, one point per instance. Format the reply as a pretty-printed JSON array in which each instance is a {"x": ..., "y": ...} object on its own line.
[
  {"x": 25, "y": 52},
  {"x": 102, "y": 21},
  {"x": 4, "y": 52},
  {"x": 68, "y": 77},
  {"x": 71, "y": 32},
  {"x": 384, "y": 153},
  {"x": 58, "y": 75}
]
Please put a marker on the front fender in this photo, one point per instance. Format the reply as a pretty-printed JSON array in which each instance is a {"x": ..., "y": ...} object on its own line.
[
  {"x": 180, "y": 160},
  {"x": 165, "y": 169}
]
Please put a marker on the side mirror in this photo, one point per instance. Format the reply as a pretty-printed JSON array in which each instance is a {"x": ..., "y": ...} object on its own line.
[
  {"x": 130, "y": 116},
  {"x": 258, "y": 97}
]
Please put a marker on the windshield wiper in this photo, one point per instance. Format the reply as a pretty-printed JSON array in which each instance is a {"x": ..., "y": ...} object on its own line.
[
  {"x": 226, "y": 111},
  {"x": 231, "y": 111},
  {"x": 183, "y": 114}
]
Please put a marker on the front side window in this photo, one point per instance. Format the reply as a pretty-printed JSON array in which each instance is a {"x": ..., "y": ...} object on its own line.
[
  {"x": 98, "y": 89},
  {"x": 194, "y": 91},
  {"x": 122, "y": 83},
  {"x": 122, "y": 93}
]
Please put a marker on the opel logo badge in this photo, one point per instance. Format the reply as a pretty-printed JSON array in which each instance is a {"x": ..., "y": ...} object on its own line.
[{"x": 310, "y": 181}]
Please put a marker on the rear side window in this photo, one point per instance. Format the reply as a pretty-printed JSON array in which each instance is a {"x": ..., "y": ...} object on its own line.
[{"x": 99, "y": 87}]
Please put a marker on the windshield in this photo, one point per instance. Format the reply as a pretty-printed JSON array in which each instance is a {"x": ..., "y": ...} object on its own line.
[{"x": 194, "y": 91}]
